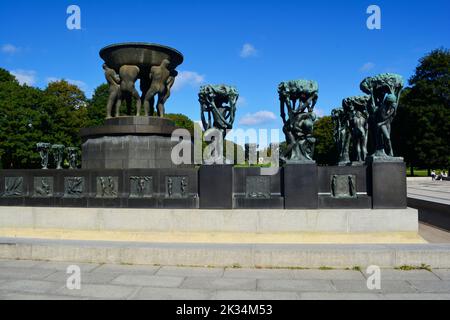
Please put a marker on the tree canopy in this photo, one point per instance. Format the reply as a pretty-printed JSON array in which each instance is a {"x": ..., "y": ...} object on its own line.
[{"x": 421, "y": 130}]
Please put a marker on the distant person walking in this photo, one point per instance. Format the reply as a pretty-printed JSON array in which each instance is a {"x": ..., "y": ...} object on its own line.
[{"x": 433, "y": 175}]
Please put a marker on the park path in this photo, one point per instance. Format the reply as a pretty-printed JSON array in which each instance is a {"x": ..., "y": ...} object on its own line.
[{"x": 30, "y": 280}]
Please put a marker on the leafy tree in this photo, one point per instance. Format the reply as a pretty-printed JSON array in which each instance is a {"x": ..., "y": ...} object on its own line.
[
  {"x": 421, "y": 131},
  {"x": 65, "y": 108},
  {"x": 20, "y": 118},
  {"x": 96, "y": 110},
  {"x": 325, "y": 150},
  {"x": 5, "y": 76},
  {"x": 181, "y": 121}
]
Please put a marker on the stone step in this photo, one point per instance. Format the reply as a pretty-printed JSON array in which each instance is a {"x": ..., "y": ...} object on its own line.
[
  {"x": 215, "y": 237},
  {"x": 344, "y": 221},
  {"x": 227, "y": 255}
]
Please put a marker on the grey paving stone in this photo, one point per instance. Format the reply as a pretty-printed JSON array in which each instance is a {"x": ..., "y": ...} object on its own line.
[
  {"x": 417, "y": 296},
  {"x": 86, "y": 277},
  {"x": 219, "y": 283},
  {"x": 259, "y": 273},
  {"x": 443, "y": 274},
  {"x": 18, "y": 263},
  {"x": 255, "y": 295},
  {"x": 172, "y": 294},
  {"x": 432, "y": 286},
  {"x": 124, "y": 268},
  {"x": 295, "y": 285},
  {"x": 62, "y": 266},
  {"x": 387, "y": 286},
  {"x": 31, "y": 286},
  {"x": 190, "y": 272},
  {"x": 149, "y": 281},
  {"x": 24, "y": 273},
  {"x": 327, "y": 275},
  {"x": 391, "y": 274},
  {"x": 340, "y": 296},
  {"x": 99, "y": 291}
]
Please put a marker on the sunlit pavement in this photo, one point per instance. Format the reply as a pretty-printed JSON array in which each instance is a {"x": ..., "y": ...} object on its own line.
[{"x": 48, "y": 280}]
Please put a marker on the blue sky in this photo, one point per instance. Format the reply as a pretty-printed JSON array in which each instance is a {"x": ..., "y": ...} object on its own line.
[{"x": 251, "y": 44}]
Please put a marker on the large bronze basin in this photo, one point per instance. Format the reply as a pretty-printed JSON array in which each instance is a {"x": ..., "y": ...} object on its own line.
[{"x": 142, "y": 55}]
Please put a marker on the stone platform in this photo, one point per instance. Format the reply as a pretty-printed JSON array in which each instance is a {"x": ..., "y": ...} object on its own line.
[
  {"x": 432, "y": 199},
  {"x": 281, "y": 222},
  {"x": 248, "y": 238},
  {"x": 129, "y": 143}
]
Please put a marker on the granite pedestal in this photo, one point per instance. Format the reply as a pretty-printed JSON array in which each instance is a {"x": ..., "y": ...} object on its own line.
[
  {"x": 105, "y": 188},
  {"x": 388, "y": 188},
  {"x": 254, "y": 190},
  {"x": 300, "y": 186},
  {"x": 216, "y": 186},
  {"x": 344, "y": 200}
]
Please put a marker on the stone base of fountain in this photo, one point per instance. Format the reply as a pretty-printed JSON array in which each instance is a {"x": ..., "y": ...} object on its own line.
[{"x": 129, "y": 143}]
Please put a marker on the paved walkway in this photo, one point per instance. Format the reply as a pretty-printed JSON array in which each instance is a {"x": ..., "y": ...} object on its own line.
[
  {"x": 433, "y": 234},
  {"x": 47, "y": 280},
  {"x": 434, "y": 191}
]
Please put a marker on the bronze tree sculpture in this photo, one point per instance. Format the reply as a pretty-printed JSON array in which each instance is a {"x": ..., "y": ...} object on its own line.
[
  {"x": 384, "y": 91},
  {"x": 299, "y": 125}
]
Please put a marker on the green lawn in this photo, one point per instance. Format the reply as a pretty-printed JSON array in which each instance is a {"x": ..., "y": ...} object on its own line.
[{"x": 417, "y": 172}]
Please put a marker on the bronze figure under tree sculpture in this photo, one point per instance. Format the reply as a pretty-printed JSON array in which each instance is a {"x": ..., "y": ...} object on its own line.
[
  {"x": 299, "y": 125},
  {"x": 355, "y": 109},
  {"x": 44, "y": 149},
  {"x": 342, "y": 135},
  {"x": 384, "y": 90},
  {"x": 219, "y": 103}
]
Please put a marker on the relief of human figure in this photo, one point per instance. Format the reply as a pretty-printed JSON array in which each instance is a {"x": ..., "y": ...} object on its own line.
[
  {"x": 113, "y": 80},
  {"x": 128, "y": 75},
  {"x": 161, "y": 81}
]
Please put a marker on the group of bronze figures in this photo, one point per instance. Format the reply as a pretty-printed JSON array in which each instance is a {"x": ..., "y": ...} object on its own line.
[
  {"x": 359, "y": 118},
  {"x": 57, "y": 150},
  {"x": 158, "y": 82},
  {"x": 368, "y": 115}
]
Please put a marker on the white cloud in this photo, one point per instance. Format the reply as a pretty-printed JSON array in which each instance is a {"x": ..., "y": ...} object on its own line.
[
  {"x": 319, "y": 112},
  {"x": 25, "y": 76},
  {"x": 248, "y": 50},
  {"x": 367, "y": 67},
  {"x": 242, "y": 102},
  {"x": 188, "y": 78},
  {"x": 260, "y": 117},
  {"x": 9, "y": 49}
]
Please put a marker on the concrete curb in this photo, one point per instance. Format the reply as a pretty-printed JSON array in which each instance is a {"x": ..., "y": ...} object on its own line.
[{"x": 226, "y": 255}]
